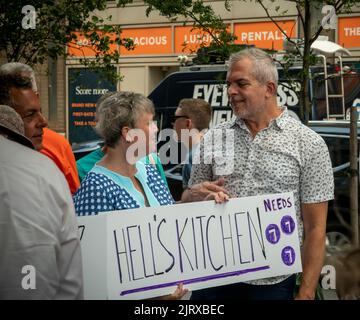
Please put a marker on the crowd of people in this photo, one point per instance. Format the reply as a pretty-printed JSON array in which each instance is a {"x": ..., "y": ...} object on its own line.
[{"x": 43, "y": 189}]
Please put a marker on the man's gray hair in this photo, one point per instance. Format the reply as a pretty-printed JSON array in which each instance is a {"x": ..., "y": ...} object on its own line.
[
  {"x": 263, "y": 67},
  {"x": 18, "y": 68},
  {"x": 119, "y": 110}
]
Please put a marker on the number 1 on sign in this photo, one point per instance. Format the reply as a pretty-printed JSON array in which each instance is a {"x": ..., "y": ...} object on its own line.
[{"x": 287, "y": 224}]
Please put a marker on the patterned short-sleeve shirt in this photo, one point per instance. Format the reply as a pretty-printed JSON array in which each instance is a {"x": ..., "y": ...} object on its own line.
[
  {"x": 104, "y": 190},
  {"x": 286, "y": 156}
]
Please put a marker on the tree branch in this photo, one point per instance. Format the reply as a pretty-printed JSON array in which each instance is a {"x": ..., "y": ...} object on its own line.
[
  {"x": 277, "y": 25},
  {"x": 203, "y": 27},
  {"x": 300, "y": 15},
  {"x": 338, "y": 5}
]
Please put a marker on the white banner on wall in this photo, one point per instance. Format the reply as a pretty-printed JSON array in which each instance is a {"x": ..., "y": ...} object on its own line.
[{"x": 143, "y": 253}]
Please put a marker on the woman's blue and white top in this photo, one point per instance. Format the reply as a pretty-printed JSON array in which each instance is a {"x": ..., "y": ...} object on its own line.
[{"x": 104, "y": 190}]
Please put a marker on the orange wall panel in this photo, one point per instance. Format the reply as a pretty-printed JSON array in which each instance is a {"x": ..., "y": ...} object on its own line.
[
  {"x": 264, "y": 34},
  {"x": 82, "y": 47},
  {"x": 148, "y": 41},
  {"x": 349, "y": 32},
  {"x": 188, "y": 40}
]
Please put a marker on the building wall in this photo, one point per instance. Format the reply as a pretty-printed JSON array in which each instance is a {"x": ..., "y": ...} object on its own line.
[{"x": 143, "y": 72}]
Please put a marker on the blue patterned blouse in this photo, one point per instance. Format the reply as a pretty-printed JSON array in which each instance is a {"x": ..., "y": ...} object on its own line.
[{"x": 104, "y": 190}]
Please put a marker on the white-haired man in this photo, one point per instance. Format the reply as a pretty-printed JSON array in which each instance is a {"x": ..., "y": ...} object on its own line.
[{"x": 273, "y": 153}]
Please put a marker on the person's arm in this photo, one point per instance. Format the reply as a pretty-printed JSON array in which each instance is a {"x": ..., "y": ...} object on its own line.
[
  {"x": 313, "y": 251},
  {"x": 201, "y": 185},
  {"x": 316, "y": 189}
]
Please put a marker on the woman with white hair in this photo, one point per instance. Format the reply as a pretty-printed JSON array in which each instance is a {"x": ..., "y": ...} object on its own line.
[{"x": 119, "y": 181}]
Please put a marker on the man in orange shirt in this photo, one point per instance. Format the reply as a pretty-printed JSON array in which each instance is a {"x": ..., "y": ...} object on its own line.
[
  {"x": 48, "y": 142},
  {"x": 57, "y": 148}
]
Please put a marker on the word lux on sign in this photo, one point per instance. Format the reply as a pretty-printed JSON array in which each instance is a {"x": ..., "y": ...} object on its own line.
[{"x": 197, "y": 38}]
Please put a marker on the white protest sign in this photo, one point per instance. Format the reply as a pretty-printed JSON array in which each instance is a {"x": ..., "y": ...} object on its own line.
[
  {"x": 203, "y": 244},
  {"x": 92, "y": 234}
]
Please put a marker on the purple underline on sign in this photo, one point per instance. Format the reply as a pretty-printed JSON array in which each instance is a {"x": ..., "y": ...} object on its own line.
[{"x": 200, "y": 279}]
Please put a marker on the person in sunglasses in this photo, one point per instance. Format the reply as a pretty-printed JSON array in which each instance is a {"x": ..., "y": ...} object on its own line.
[{"x": 191, "y": 121}]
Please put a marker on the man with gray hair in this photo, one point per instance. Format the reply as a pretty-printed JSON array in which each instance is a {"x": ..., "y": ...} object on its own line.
[
  {"x": 274, "y": 153},
  {"x": 16, "y": 91},
  {"x": 21, "y": 69},
  {"x": 40, "y": 254},
  {"x": 47, "y": 141}
]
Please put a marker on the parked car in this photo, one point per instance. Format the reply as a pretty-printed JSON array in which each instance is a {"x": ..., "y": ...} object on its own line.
[{"x": 82, "y": 149}]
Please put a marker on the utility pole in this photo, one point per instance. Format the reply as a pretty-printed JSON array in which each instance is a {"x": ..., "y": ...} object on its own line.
[{"x": 354, "y": 176}]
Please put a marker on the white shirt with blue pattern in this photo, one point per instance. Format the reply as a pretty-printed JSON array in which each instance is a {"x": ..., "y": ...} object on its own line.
[{"x": 286, "y": 156}]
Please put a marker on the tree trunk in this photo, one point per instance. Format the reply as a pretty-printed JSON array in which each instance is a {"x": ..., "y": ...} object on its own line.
[{"x": 304, "y": 98}]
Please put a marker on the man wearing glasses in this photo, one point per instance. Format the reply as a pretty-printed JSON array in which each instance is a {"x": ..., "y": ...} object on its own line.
[{"x": 191, "y": 120}]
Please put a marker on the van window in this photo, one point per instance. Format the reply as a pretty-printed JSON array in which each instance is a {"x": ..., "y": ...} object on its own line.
[{"x": 339, "y": 149}]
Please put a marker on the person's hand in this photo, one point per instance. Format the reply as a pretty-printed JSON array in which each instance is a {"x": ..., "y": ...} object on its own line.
[
  {"x": 219, "y": 197},
  {"x": 210, "y": 191},
  {"x": 176, "y": 295}
]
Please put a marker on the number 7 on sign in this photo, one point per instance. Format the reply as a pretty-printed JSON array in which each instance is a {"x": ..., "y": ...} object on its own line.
[
  {"x": 273, "y": 235},
  {"x": 287, "y": 225},
  {"x": 288, "y": 255},
  {"x": 81, "y": 229}
]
